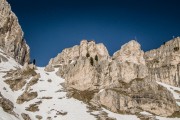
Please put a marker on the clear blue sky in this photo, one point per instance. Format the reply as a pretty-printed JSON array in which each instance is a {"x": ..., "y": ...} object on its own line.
[{"x": 52, "y": 25}]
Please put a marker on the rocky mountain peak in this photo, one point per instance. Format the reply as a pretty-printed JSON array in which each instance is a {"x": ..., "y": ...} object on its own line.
[
  {"x": 85, "y": 49},
  {"x": 93, "y": 49},
  {"x": 95, "y": 83},
  {"x": 11, "y": 35},
  {"x": 130, "y": 52},
  {"x": 118, "y": 83}
]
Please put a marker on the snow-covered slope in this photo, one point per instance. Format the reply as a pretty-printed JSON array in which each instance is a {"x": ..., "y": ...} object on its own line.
[
  {"x": 73, "y": 109},
  {"x": 7, "y": 63},
  {"x": 53, "y": 103},
  {"x": 50, "y": 108}
]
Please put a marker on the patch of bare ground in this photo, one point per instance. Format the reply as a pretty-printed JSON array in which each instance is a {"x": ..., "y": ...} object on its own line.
[
  {"x": 45, "y": 98},
  {"x": 33, "y": 107},
  {"x": 26, "y": 96}
]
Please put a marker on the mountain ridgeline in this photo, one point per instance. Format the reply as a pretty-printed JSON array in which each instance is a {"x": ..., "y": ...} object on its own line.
[{"x": 125, "y": 82}]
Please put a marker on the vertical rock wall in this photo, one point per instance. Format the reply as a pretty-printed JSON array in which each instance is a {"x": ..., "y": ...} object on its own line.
[
  {"x": 164, "y": 63},
  {"x": 11, "y": 35}
]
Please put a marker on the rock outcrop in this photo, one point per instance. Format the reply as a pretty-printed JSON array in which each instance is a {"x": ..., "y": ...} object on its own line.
[
  {"x": 26, "y": 96},
  {"x": 128, "y": 63},
  {"x": 122, "y": 84},
  {"x": 11, "y": 35},
  {"x": 6, "y": 104},
  {"x": 17, "y": 79},
  {"x": 70, "y": 55},
  {"x": 140, "y": 94},
  {"x": 164, "y": 63},
  {"x": 130, "y": 52},
  {"x": 25, "y": 116}
]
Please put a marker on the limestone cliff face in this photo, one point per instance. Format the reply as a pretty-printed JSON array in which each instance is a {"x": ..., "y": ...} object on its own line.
[
  {"x": 131, "y": 62},
  {"x": 130, "y": 88},
  {"x": 138, "y": 95},
  {"x": 121, "y": 83},
  {"x": 70, "y": 55},
  {"x": 130, "y": 52},
  {"x": 164, "y": 63},
  {"x": 11, "y": 35},
  {"x": 78, "y": 64}
]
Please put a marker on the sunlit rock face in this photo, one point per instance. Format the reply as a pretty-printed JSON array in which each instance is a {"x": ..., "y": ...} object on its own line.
[
  {"x": 124, "y": 83},
  {"x": 164, "y": 63},
  {"x": 11, "y": 35},
  {"x": 131, "y": 62},
  {"x": 130, "y": 52},
  {"x": 85, "y": 49},
  {"x": 121, "y": 83}
]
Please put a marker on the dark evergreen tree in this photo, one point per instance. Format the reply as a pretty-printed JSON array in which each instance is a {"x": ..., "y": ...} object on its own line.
[
  {"x": 96, "y": 58},
  {"x": 87, "y": 55},
  {"x": 176, "y": 48},
  {"x": 91, "y": 61}
]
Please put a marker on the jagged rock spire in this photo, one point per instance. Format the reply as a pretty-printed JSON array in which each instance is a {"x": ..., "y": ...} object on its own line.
[{"x": 11, "y": 35}]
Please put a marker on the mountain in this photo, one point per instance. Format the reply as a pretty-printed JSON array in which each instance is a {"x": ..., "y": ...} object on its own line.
[
  {"x": 122, "y": 83},
  {"x": 84, "y": 82},
  {"x": 11, "y": 35}
]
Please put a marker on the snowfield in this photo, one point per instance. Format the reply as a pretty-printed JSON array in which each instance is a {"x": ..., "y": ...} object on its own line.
[{"x": 49, "y": 85}]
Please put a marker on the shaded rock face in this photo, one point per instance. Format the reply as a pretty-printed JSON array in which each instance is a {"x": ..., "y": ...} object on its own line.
[
  {"x": 140, "y": 94},
  {"x": 3, "y": 58},
  {"x": 164, "y": 63},
  {"x": 121, "y": 83},
  {"x": 11, "y": 35},
  {"x": 86, "y": 79}
]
